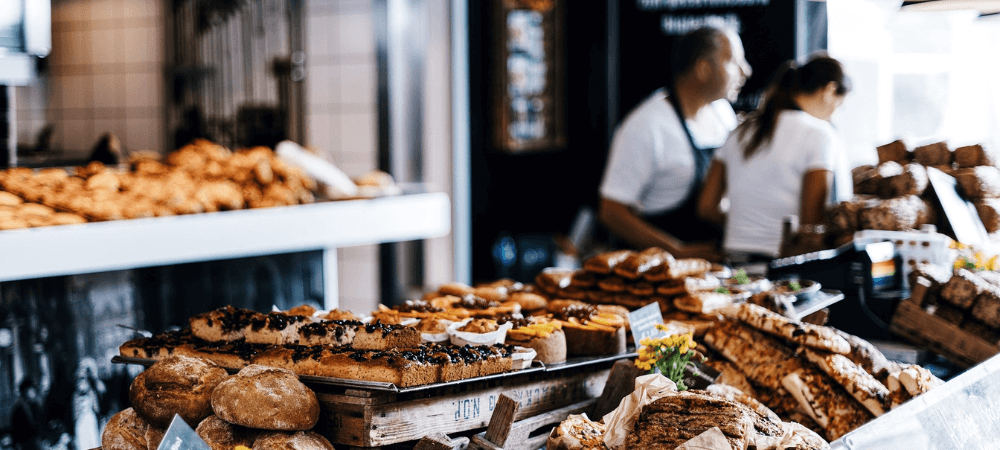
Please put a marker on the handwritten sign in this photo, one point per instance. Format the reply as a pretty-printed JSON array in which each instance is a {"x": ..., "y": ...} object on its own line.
[
  {"x": 180, "y": 436},
  {"x": 643, "y": 322}
]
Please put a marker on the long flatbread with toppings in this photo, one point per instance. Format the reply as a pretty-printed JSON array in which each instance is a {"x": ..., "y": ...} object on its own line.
[{"x": 808, "y": 335}]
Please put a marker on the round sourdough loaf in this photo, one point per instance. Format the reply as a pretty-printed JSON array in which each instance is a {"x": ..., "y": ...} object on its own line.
[
  {"x": 222, "y": 435},
  {"x": 125, "y": 431},
  {"x": 268, "y": 398},
  {"x": 302, "y": 440},
  {"x": 176, "y": 385},
  {"x": 153, "y": 437}
]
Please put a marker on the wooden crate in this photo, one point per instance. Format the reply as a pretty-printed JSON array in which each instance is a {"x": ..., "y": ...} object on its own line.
[
  {"x": 939, "y": 335},
  {"x": 362, "y": 418}
]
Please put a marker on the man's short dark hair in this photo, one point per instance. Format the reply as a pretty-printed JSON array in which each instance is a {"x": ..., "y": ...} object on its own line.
[
  {"x": 26, "y": 383},
  {"x": 694, "y": 45}
]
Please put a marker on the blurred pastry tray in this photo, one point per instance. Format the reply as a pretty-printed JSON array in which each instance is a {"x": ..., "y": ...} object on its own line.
[{"x": 536, "y": 366}]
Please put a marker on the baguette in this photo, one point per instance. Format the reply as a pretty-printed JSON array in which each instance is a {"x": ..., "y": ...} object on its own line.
[
  {"x": 860, "y": 384},
  {"x": 808, "y": 335}
]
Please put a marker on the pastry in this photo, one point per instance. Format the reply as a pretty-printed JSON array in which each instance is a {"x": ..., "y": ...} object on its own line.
[
  {"x": 125, "y": 431},
  {"x": 605, "y": 263},
  {"x": 935, "y": 154},
  {"x": 545, "y": 337},
  {"x": 894, "y": 151},
  {"x": 222, "y": 435},
  {"x": 267, "y": 398},
  {"x": 176, "y": 385},
  {"x": 813, "y": 336}
]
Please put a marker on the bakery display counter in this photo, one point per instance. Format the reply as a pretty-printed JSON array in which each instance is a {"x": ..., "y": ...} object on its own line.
[{"x": 129, "y": 244}]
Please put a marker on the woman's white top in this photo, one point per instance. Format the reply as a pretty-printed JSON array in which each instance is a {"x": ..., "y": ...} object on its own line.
[{"x": 766, "y": 188}]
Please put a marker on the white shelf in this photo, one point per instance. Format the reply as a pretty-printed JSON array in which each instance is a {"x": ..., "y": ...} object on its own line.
[{"x": 129, "y": 244}]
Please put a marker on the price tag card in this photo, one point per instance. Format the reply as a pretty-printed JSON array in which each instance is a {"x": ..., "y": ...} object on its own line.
[
  {"x": 643, "y": 322},
  {"x": 180, "y": 436}
]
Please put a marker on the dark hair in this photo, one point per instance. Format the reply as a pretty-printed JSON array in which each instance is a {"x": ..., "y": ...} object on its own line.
[
  {"x": 789, "y": 81},
  {"x": 694, "y": 45}
]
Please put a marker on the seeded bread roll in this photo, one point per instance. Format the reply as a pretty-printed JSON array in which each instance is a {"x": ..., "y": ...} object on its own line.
[
  {"x": 222, "y": 435},
  {"x": 936, "y": 154},
  {"x": 268, "y": 398},
  {"x": 125, "y": 431},
  {"x": 303, "y": 440},
  {"x": 176, "y": 385},
  {"x": 979, "y": 182},
  {"x": 975, "y": 155},
  {"x": 989, "y": 212},
  {"x": 154, "y": 436},
  {"x": 913, "y": 181},
  {"x": 893, "y": 151}
]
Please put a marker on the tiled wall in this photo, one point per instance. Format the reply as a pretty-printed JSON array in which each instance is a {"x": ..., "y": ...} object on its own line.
[
  {"x": 105, "y": 74},
  {"x": 341, "y": 118}
]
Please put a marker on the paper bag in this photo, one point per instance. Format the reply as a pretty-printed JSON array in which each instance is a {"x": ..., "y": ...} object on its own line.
[
  {"x": 712, "y": 439},
  {"x": 619, "y": 422}
]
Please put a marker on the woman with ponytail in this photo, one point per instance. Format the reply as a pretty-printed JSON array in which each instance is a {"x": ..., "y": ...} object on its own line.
[{"x": 779, "y": 162}]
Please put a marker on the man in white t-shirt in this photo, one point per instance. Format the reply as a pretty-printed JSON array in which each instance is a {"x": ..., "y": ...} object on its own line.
[{"x": 657, "y": 161}]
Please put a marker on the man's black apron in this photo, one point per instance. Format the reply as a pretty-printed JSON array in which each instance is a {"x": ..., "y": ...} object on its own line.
[{"x": 682, "y": 222}]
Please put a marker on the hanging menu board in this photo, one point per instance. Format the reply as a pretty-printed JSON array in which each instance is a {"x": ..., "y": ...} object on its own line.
[
  {"x": 528, "y": 85},
  {"x": 767, "y": 28}
]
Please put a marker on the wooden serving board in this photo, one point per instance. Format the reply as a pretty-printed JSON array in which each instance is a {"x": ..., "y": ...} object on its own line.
[
  {"x": 361, "y": 418},
  {"x": 940, "y": 336}
]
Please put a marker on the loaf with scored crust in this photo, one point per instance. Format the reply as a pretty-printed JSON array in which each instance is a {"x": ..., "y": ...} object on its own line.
[
  {"x": 267, "y": 398},
  {"x": 176, "y": 385}
]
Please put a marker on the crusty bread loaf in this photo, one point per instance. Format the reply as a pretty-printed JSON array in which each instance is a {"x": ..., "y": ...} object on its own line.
[
  {"x": 675, "y": 418},
  {"x": 854, "y": 379},
  {"x": 988, "y": 210},
  {"x": 897, "y": 214},
  {"x": 302, "y": 440},
  {"x": 913, "y": 181},
  {"x": 975, "y": 155},
  {"x": 125, "y": 431},
  {"x": 986, "y": 307},
  {"x": 154, "y": 436},
  {"x": 979, "y": 182},
  {"x": 176, "y": 385},
  {"x": 936, "y": 154},
  {"x": 963, "y": 288},
  {"x": 222, "y": 435},
  {"x": 268, "y": 398},
  {"x": 893, "y": 151}
]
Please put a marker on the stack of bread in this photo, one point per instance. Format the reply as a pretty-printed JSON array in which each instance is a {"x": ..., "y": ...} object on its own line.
[
  {"x": 893, "y": 195},
  {"x": 199, "y": 177},
  {"x": 635, "y": 279},
  {"x": 821, "y": 377},
  {"x": 259, "y": 408},
  {"x": 967, "y": 298}
]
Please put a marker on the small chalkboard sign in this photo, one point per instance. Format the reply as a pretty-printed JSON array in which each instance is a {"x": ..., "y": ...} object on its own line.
[
  {"x": 959, "y": 213},
  {"x": 180, "y": 436},
  {"x": 643, "y": 322}
]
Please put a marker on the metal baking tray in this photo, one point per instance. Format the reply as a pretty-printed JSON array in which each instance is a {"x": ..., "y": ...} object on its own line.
[{"x": 536, "y": 366}]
